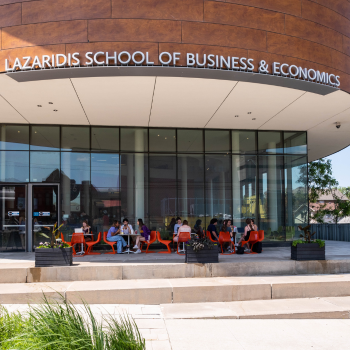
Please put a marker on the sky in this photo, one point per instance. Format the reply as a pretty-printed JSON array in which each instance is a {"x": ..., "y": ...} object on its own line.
[{"x": 340, "y": 167}]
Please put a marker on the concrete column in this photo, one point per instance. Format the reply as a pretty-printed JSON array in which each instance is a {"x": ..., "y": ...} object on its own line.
[
  {"x": 222, "y": 206},
  {"x": 272, "y": 189},
  {"x": 289, "y": 194},
  {"x": 236, "y": 190},
  {"x": 139, "y": 177},
  {"x": 184, "y": 194}
]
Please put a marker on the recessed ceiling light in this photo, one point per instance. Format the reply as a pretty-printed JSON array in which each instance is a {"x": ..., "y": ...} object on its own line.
[
  {"x": 55, "y": 110},
  {"x": 236, "y": 116},
  {"x": 19, "y": 132},
  {"x": 50, "y": 103},
  {"x": 166, "y": 138},
  {"x": 39, "y": 105},
  {"x": 158, "y": 135},
  {"x": 249, "y": 112},
  {"x": 34, "y": 132},
  {"x": 254, "y": 119},
  {"x": 247, "y": 138}
]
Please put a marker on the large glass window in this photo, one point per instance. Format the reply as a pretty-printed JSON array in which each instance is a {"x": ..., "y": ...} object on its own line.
[
  {"x": 45, "y": 138},
  {"x": 190, "y": 187},
  {"x": 162, "y": 192},
  {"x": 14, "y": 137},
  {"x": 14, "y": 166},
  {"x": 218, "y": 182},
  {"x": 133, "y": 140},
  {"x": 296, "y": 196},
  {"x": 189, "y": 141},
  {"x": 105, "y": 139},
  {"x": 134, "y": 183},
  {"x": 270, "y": 142},
  {"x": 271, "y": 197},
  {"x": 243, "y": 142},
  {"x": 105, "y": 191},
  {"x": 244, "y": 189},
  {"x": 75, "y": 138},
  {"x": 162, "y": 140},
  {"x": 217, "y": 141},
  {"x": 75, "y": 189},
  {"x": 295, "y": 142},
  {"x": 44, "y": 166}
]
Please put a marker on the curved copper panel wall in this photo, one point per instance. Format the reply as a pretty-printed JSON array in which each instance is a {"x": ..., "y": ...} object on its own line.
[{"x": 313, "y": 34}]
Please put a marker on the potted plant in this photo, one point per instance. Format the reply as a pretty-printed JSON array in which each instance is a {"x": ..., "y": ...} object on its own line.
[
  {"x": 53, "y": 253},
  {"x": 201, "y": 251},
  {"x": 307, "y": 248}
]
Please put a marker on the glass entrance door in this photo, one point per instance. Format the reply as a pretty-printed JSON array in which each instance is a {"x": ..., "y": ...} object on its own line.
[
  {"x": 12, "y": 218},
  {"x": 43, "y": 212}
]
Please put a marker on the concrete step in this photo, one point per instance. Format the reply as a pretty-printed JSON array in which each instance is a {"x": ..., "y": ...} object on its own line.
[
  {"x": 179, "y": 290},
  {"x": 308, "y": 308},
  {"x": 92, "y": 271}
]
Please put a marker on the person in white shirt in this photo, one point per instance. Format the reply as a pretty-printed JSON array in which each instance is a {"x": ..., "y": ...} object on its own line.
[
  {"x": 183, "y": 228},
  {"x": 126, "y": 229}
]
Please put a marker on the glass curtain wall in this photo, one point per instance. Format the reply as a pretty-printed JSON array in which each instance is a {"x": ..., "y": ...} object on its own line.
[{"x": 157, "y": 174}]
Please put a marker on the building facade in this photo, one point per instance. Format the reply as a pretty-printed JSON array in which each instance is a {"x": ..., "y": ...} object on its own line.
[{"x": 153, "y": 110}]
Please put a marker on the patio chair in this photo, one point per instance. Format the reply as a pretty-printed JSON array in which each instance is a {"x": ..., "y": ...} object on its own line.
[
  {"x": 109, "y": 243},
  {"x": 78, "y": 238},
  {"x": 253, "y": 238},
  {"x": 91, "y": 244},
  {"x": 63, "y": 241},
  {"x": 165, "y": 242},
  {"x": 209, "y": 236},
  {"x": 225, "y": 237},
  {"x": 182, "y": 238},
  {"x": 152, "y": 239}
]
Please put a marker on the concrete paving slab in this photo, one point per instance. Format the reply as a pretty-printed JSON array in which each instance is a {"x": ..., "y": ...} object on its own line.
[
  {"x": 13, "y": 275},
  {"x": 343, "y": 302}
]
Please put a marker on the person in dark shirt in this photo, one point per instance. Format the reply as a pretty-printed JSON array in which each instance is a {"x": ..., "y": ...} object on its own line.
[{"x": 212, "y": 229}]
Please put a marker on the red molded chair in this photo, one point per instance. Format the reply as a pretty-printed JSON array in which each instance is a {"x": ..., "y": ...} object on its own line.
[
  {"x": 225, "y": 237},
  {"x": 261, "y": 236},
  {"x": 152, "y": 239},
  {"x": 109, "y": 243},
  {"x": 182, "y": 238},
  {"x": 163, "y": 241},
  {"x": 91, "y": 244},
  {"x": 63, "y": 241},
  {"x": 253, "y": 238},
  {"x": 77, "y": 238}
]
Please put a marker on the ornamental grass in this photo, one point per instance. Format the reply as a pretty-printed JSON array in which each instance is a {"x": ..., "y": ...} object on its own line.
[{"x": 63, "y": 326}]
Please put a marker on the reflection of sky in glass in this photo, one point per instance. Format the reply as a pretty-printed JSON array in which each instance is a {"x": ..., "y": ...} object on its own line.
[
  {"x": 76, "y": 166},
  {"x": 105, "y": 170}
]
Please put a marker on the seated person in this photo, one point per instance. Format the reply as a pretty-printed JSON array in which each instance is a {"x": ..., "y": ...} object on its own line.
[
  {"x": 212, "y": 229},
  {"x": 126, "y": 229},
  {"x": 145, "y": 235},
  {"x": 177, "y": 225},
  {"x": 198, "y": 229},
  {"x": 247, "y": 230},
  {"x": 255, "y": 226},
  {"x": 114, "y": 236},
  {"x": 86, "y": 229},
  {"x": 183, "y": 228}
]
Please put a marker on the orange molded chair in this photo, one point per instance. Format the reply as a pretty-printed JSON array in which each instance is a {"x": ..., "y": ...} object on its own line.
[
  {"x": 63, "y": 241},
  {"x": 91, "y": 244},
  {"x": 152, "y": 239},
  {"x": 182, "y": 238},
  {"x": 77, "y": 238},
  {"x": 225, "y": 237},
  {"x": 253, "y": 238},
  {"x": 163, "y": 241},
  {"x": 209, "y": 236},
  {"x": 109, "y": 243}
]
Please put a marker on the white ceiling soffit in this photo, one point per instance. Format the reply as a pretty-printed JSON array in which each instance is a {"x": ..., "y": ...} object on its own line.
[
  {"x": 189, "y": 103},
  {"x": 262, "y": 101},
  {"x": 8, "y": 113},
  {"x": 309, "y": 110},
  {"x": 25, "y": 98},
  {"x": 122, "y": 101}
]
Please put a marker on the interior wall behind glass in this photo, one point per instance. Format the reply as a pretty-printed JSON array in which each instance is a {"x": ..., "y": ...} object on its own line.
[
  {"x": 134, "y": 185},
  {"x": 218, "y": 187},
  {"x": 271, "y": 196},
  {"x": 45, "y": 138},
  {"x": 75, "y": 188},
  {"x": 104, "y": 139},
  {"x": 14, "y": 137},
  {"x": 162, "y": 192},
  {"x": 105, "y": 191},
  {"x": 244, "y": 189},
  {"x": 190, "y": 187},
  {"x": 296, "y": 194}
]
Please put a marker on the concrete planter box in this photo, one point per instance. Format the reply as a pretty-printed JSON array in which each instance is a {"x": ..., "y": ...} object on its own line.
[
  {"x": 53, "y": 257},
  {"x": 204, "y": 256},
  {"x": 308, "y": 251}
]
